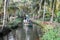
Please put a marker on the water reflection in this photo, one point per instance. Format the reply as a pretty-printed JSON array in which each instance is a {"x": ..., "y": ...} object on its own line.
[{"x": 10, "y": 36}]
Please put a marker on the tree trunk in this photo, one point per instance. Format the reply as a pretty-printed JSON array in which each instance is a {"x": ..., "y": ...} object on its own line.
[
  {"x": 44, "y": 10},
  {"x": 40, "y": 5},
  {"x": 4, "y": 18},
  {"x": 53, "y": 9}
]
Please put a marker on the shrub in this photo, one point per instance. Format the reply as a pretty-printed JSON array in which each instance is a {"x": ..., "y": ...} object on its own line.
[{"x": 52, "y": 34}]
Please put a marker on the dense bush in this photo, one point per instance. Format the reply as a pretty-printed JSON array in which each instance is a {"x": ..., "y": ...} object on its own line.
[
  {"x": 53, "y": 34},
  {"x": 58, "y": 16}
]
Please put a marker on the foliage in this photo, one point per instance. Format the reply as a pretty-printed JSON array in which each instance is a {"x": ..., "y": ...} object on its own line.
[
  {"x": 47, "y": 16},
  {"x": 47, "y": 28},
  {"x": 1, "y": 1},
  {"x": 58, "y": 16},
  {"x": 14, "y": 23},
  {"x": 53, "y": 34}
]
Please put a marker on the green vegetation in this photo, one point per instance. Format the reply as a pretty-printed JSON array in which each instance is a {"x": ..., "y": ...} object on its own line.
[
  {"x": 52, "y": 34},
  {"x": 43, "y": 13},
  {"x": 14, "y": 24}
]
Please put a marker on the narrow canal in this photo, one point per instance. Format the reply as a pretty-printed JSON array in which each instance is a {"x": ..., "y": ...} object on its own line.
[{"x": 28, "y": 31}]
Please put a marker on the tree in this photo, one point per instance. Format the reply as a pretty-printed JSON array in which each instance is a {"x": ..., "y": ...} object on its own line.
[
  {"x": 5, "y": 10},
  {"x": 53, "y": 7}
]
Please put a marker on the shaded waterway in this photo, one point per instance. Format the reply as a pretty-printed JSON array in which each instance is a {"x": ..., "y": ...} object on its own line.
[{"x": 24, "y": 32}]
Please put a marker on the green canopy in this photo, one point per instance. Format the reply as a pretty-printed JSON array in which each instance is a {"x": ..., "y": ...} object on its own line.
[
  {"x": 14, "y": 23},
  {"x": 58, "y": 14}
]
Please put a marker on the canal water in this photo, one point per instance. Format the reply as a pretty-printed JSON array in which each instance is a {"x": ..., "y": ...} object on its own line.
[{"x": 23, "y": 33}]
